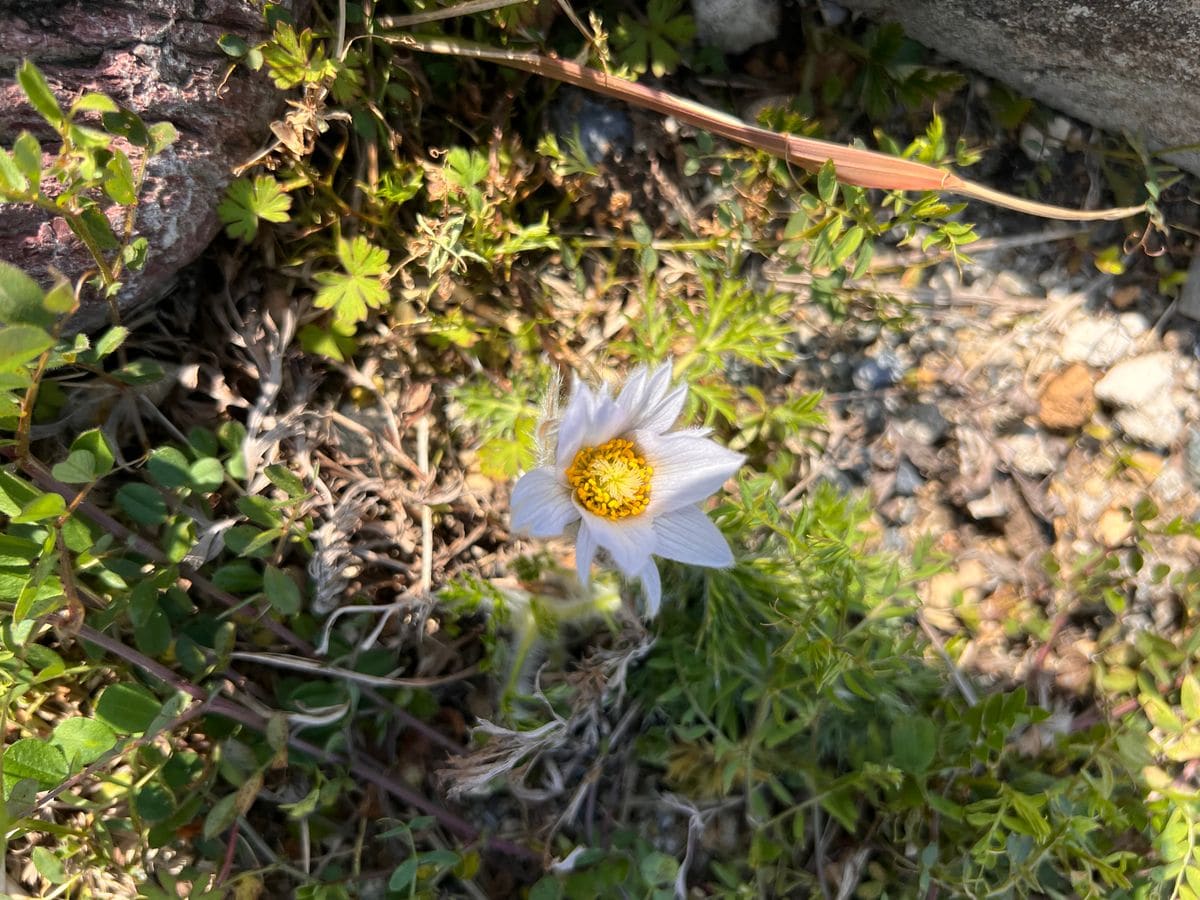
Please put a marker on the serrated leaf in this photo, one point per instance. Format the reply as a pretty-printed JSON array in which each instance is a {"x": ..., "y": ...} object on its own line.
[
  {"x": 83, "y": 741},
  {"x": 20, "y": 344},
  {"x": 31, "y": 758},
  {"x": 127, "y": 708},
  {"x": 111, "y": 340},
  {"x": 352, "y": 293},
  {"x": 162, "y": 136},
  {"x": 27, "y": 154},
  {"x": 286, "y": 481},
  {"x": 246, "y": 202},
  {"x": 78, "y": 468},
  {"x": 118, "y": 180},
  {"x": 142, "y": 503},
  {"x": 11, "y": 179},
  {"x": 94, "y": 102},
  {"x": 21, "y": 299},
  {"x": 38, "y": 91}
]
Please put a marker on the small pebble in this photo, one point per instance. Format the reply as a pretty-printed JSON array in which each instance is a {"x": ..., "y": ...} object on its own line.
[
  {"x": 1191, "y": 456},
  {"x": 908, "y": 479},
  {"x": 876, "y": 373}
]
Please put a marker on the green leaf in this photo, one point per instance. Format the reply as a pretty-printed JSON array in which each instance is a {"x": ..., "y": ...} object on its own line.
[
  {"x": 11, "y": 179},
  {"x": 142, "y": 503},
  {"x": 281, "y": 591},
  {"x": 92, "y": 225},
  {"x": 169, "y": 467},
  {"x": 31, "y": 758},
  {"x": 21, "y": 300},
  {"x": 154, "y": 803},
  {"x": 658, "y": 869},
  {"x": 351, "y": 293},
  {"x": 403, "y": 875},
  {"x": 127, "y": 708},
  {"x": 27, "y": 153},
  {"x": 41, "y": 509},
  {"x": 207, "y": 474},
  {"x": 39, "y": 93},
  {"x": 95, "y": 443},
  {"x": 914, "y": 744},
  {"x": 1190, "y": 697},
  {"x": 162, "y": 136},
  {"x": 94, "y": 102},
  {"x": 48, "y": 865},
  {"x": 111, "y": 340},
  {"x": 127, "y": 124},
  {"x": 220, "y": 817},
  {"x": 83, "y": 741},
  {"x": 153, "y": 636},
  {"x": 140, "y": 371},
  {"x": 285, "y": 480},
  {"x": 78, "y": 468},
  {"x": 248, "y": 201},
  {"x": 232, "y": 45},
  {"x": 118, "y": 180},
  {"x": 20, "y": 344},
  {"x": 827, "y": 182}
]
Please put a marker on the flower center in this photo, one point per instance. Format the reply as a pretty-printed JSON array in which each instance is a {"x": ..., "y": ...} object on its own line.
[{"x": 611, "y": 480}]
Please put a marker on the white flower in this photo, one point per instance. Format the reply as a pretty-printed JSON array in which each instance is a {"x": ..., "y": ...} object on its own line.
[{"x": 633, "y": 486}]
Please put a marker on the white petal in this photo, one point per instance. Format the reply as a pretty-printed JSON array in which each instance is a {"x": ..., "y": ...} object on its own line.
[
  {"x": 689, "y": 536},
  {"x": 662, "y": 415},
  {"x": 541, "y": 504},
  {"x": 574, "y": 422},
  {"x": 687, "y": 468},
  {"x": 651, "y": 588},
  {"x": 628, "y": 541},
  {"x": 585, "y": 552}
]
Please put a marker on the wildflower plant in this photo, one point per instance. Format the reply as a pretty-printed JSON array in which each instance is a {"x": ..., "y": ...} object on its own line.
[{"x": 624, "y": 483}]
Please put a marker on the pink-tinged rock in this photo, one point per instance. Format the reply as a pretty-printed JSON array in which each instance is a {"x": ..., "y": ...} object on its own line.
[{"x": 159, "y": 58}]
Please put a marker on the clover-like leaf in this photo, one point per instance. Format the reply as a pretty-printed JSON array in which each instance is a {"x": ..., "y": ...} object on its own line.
[
  {"x": 360, "y": 287},
  {"x": 248, "y": 201}
]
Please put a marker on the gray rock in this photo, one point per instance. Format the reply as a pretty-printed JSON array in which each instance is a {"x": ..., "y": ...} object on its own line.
[
  {"x": 1155, "y": 424},
  {"x": 876, "y": 373},
  {"x": 603, "y": 130},
  {"x": 923, "y": 425},
  {"x": 1138, "y": 381},
  {"x": 1191, "y": 456},
  {"x": 908, "y": 479},
  {"x": 1097, "y": 342},
  {"x": 1116, "y": 65},
  {"x": 1030, "y": 453},
  {"x": 161, "y": 60},
  {"x": 735, "y": 26}
]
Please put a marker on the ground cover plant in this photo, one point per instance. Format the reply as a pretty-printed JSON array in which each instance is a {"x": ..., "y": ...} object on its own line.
[{"x": 267, "y": 629}]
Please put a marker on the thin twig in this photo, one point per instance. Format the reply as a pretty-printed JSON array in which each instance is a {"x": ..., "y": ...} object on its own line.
[
  {"x": 450, "y": 12},
  {"x": 296, "y": 664},
  {"x": 426, "y": 512}
]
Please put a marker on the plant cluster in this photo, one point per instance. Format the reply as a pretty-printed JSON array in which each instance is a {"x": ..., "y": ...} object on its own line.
[{"x": 222, "y": 670}]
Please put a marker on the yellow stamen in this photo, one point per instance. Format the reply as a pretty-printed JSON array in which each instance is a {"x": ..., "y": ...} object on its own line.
[{"x": 611, "y": 480}]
